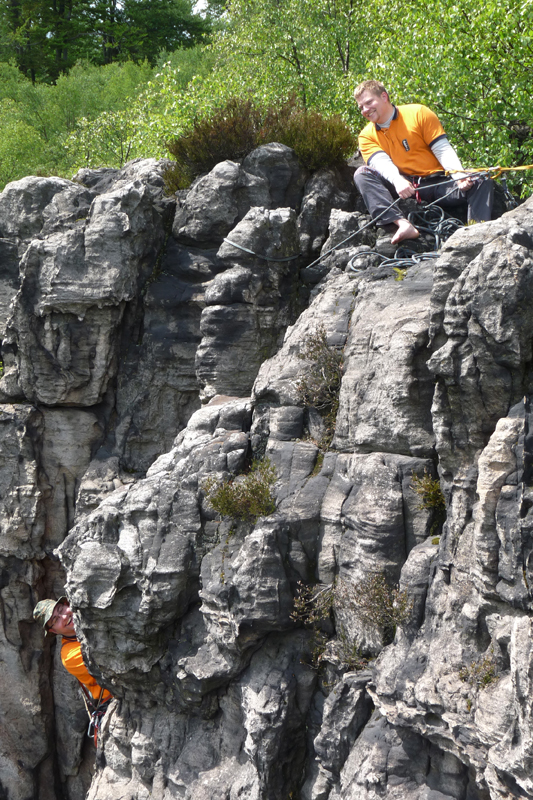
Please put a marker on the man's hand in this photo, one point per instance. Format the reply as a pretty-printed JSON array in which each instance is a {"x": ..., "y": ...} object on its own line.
[
  {"x": 404, "y": 188},
  {"x": 465, "y": 184}
]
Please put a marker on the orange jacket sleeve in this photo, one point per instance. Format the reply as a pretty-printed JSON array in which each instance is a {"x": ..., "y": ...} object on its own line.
[{"x": 73, "y": 662}]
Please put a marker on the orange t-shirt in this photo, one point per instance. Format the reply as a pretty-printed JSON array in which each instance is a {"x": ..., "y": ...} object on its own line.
[
  {"x": 73, "y": 662},
  {"x": 407, "y": 141}
]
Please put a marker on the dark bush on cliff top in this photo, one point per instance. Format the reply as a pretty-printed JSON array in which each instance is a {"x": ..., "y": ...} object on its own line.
[{"x": 238, "y": 127}]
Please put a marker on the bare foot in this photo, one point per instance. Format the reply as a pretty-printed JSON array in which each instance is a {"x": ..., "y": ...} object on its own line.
[{"x": 405, "y": 231}]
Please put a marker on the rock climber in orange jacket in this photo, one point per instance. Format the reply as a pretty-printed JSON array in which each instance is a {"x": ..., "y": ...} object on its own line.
[
  {"x": 406, "y": 153},
  {"x": 56, "y": 617}
]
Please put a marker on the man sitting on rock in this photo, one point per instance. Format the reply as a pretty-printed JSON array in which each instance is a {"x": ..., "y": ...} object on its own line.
[
  {"x": 56, "y": 617},
  {"x": 406, "y": 150}
]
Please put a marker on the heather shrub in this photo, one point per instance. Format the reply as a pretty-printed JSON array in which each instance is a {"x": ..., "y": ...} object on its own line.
[
  {"x": 313, "y": 607},
  {"x": 429, "y": 491},
  {"x": 431, "y": 498},
  {"x": 373, "y": 600},
  {"x": 377, "y": 602},
  {"x": 479, "y": 675},
  {"x": 239, "y": 126},
  {"x": 229, "y": 132},
  {"x": 317, "y": 140}
]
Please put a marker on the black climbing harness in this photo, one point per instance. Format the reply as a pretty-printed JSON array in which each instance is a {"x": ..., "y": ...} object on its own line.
[{"x": 95, "y": 710}]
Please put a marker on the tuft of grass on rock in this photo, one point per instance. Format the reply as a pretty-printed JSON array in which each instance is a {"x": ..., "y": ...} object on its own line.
[
  {"x": 481, "y": 673},
  {"x": 377, "y": 602},
  {"x": 431, "y": 499},
  {"x": 246, "y": 497},
  {"x": 429, "y": 491},
  {"x": 321, "y": 383}
]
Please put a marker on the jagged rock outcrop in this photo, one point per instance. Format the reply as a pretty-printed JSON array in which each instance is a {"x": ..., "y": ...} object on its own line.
[{"x": 152, "y": 344}]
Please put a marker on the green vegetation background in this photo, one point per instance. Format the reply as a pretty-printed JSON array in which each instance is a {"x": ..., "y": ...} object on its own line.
[{"x": 471, "y": 62}]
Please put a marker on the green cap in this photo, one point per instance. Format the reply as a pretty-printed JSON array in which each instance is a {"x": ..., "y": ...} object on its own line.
[{"x": 44, "y": 610}]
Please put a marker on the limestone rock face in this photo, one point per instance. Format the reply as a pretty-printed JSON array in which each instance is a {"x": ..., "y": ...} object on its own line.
[
  {"x": 325, "y": 190},
  {"x": 249, "y": 303},
  {"x": 475, "y": 633},
  {"x": 269, "y": 177},
  {"x": 153, "y": 348},
  {"x": 220, "y": 596},
  {"x": 387, "y": 387},
  {"x": 23, "y": 204},
  {"x": 22, "y": 523},
  {"x": 217, "y": 201},
  {"x": 9, "y": 279},
  {"x": 64, "y": 327}
]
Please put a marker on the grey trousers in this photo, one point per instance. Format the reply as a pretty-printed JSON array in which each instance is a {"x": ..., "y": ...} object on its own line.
[{"x": 378, "y": 193}]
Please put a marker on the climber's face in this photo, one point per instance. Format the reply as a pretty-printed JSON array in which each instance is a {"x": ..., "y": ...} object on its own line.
[
  {"x": 375, "y": 107},
  {"x": 61, "y": 622}
]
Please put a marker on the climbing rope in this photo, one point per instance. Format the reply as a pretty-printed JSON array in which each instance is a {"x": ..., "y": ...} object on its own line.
[
  {"x": 498, "y": 171},
  {"x": 264, "y": 258},
  {"x": 442, "y": 229},
  {"x": 433, "y": 221},
  {"x": 297, "y": 255},
  {"x": 382, "y": 213},
  {"x": 395, "y": 263},
  {"x": 429, "y": 220}
]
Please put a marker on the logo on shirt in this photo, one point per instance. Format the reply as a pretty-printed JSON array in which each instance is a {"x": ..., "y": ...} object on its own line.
[{"x": 406, "y": 144}]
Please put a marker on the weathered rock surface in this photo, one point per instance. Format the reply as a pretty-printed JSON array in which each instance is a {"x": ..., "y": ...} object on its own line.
[
  {"x": 325, "y": 190},
  {"x": 387, "y": 387},
  {"x": 145, "y": 355},
  {"x": 250, "y": 303}
]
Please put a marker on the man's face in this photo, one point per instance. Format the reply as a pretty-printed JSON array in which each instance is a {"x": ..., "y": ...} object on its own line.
[
  {"x": 375, "y": 107},
  {"x": 61, "y": 621}
]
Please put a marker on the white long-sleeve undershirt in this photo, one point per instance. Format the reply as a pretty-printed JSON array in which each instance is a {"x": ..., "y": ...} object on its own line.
[
  {"x": 386, "y": 167},
  {"x": 443, "y": 152},
  {"x": 448, "y": 158}
]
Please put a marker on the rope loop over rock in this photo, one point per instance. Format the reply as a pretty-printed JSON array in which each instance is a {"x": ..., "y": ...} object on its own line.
[{"x": 263, "y": 258}]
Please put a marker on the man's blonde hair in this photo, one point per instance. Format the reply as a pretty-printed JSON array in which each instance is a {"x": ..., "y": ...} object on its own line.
[{"x": 375, "y": 87}]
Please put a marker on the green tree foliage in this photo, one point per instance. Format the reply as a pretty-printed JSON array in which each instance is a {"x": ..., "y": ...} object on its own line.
[
  {"x": 215, "y": 8},
  {"x": 37, "y": 119},
  {"x": 186, "y": 63},
  {"x": 308, "y": 47},
  {"x": 162, "y": 110},
  {"x": 20, "y": 143},
  {"x": 109, "y": 139},
  {"x": 472, "y": 65},
  {"x": 42, "y": 37},
  {"x": 140, "y": 29},
  {"x": 45, "y": 39},
  {"x": 471, "y": 62}
]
